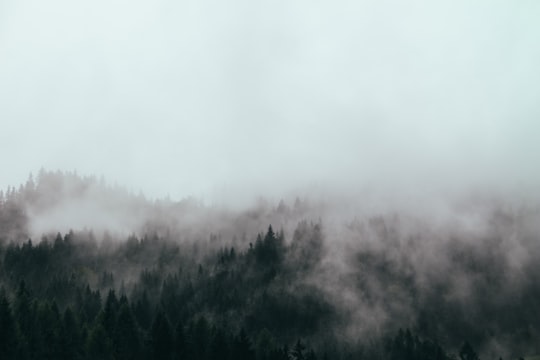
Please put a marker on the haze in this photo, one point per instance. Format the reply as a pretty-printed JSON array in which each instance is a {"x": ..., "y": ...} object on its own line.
[{"x": 227, "y": 99}]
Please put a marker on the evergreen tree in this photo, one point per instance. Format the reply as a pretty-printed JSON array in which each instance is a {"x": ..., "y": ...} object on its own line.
[
  {"x": 467, "y": 352},
  {"x": 70, "y": 336},
  {"x": 25, "y": 319},
  {"x": 161, "y": 340},
  {"x": 179, "y": 341},
  {"x": 218, "y": 349},
  {"x": 311, "y": 355},
  {"x": 264, "y": 345},
  {"x": 242, "y": 349},
  {"x": 142, "y": 311},
  {"x": 199, "y": 338},
  {"x": 99, "y": 344},
  {"x": 126, "y": 338},
  {"x": 49, "y": 328},
  {"x": 107, "y": 317},
  {"x": 297, "y": 351},
  {"x": 8, "y": 334}
]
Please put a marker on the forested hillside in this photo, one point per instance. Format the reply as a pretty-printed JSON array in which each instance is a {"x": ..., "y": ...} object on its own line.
[{"x": 133, "y": 278}]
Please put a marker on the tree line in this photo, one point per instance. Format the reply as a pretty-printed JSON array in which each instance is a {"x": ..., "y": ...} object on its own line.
[{"x": 280, "y": 293}]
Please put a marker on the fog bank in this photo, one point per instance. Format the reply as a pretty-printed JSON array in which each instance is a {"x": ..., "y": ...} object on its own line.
[{"x": 211, "y": 99}]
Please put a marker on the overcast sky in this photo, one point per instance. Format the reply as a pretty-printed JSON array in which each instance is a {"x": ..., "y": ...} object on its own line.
[{"x": 210, "y": 97}]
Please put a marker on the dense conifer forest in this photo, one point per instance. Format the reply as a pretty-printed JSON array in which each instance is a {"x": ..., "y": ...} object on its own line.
[{"x": 133, "y": 278}]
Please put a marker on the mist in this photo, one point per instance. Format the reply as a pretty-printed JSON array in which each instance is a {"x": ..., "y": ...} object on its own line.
[
  {"x": 392, "y": 146},
  {"x": 230, "y": 101},
  {"x": 353, "y": 270}
]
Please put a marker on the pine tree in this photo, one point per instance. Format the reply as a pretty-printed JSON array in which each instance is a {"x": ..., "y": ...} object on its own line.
[
  {"x": 99, "y": 344},
  {"x": 297, "y": 351},
  {"x": 8, "y": 334},
  {"x": 126, "y": 338},
  {"x": 161, "y": 340},
  {"x": 242, "y": 349},
  {"x": 142, "y": 311},
  {"x": 218, "y": 349},
  {"x": 70, "y": 336},
  {"x": 467, "y": 352},
  {"x": 179, "y": 341}
]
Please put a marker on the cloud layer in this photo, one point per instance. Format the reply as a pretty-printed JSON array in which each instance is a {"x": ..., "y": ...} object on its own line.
[{"x": 217, "y": 98}]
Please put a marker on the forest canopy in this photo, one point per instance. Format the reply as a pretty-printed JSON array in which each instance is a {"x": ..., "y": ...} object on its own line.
[{"x": 138, "y": 278}]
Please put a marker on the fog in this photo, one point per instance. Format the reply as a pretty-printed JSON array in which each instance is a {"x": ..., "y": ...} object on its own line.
[
  {"x": 227, "y": 101},
  {"x": 377, "y": 266},
  {"x": 394, "y": 144}
]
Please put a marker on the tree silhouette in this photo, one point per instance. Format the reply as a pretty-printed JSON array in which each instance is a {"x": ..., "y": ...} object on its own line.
[
  {"x": 98, "y": 344},
  {"x": 180, "y": 341},
  {"x": 126, "y": 338},
  {"x": 242, "y": 349},
  {"x": 467, "y": 353},
  {"x": 161, "y": 340},
  {"x": 8, "y": 334},
  {"x": 297, "y": 351},
  {"x": 70, "y": 336}
]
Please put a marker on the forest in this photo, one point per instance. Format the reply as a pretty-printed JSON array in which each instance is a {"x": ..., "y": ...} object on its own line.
[{"x": 92, "y": 271}]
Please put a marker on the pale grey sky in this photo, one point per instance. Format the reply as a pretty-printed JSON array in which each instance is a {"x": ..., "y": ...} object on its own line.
[{"x": 210, "y": 97}]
